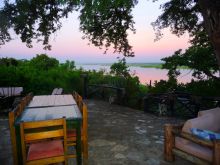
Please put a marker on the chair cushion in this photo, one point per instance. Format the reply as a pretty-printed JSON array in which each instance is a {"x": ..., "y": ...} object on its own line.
[
  {"x": 205, "y": 134},
  {"x": 213, "y": 111},
  {"x": 45, "y": 149},
  {"x": 206, "y": 122},
  {"x": 194, "y": 149}
]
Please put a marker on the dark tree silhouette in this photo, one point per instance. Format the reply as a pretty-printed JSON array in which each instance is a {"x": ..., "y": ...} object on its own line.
[
  {"x": 106, "y": 22},
  {"x": 193, "y": 16}
]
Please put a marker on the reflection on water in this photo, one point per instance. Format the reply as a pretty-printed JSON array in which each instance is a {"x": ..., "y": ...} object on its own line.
[
  {"x": 145, "y": 74},
  {"x": 153, "y": 74}
]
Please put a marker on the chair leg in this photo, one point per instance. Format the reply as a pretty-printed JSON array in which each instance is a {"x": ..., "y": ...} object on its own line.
[
  {"x": 66, "y": 161},
  {"x": 169, "y": 143},
  {"x": 86, "y": 149},
  {"x": 85, "y": 162},
  {"x": 216, "y": 154}
]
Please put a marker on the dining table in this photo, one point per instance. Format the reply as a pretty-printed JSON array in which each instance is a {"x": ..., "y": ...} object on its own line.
[
  {"x": 10, "y": 91},
  {"x": 47, "y": 107}
]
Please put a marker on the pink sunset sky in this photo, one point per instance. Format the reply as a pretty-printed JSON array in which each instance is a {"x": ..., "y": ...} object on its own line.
[{"x": 67, "y": 44}]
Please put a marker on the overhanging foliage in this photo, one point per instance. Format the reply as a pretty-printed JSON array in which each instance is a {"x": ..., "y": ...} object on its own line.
[{"x": 104, "y": 23}]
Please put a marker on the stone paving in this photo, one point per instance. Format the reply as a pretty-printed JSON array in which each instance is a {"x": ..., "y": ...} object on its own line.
[
  {"x": 117, "y": 136},
  {"x": 124, "y": 136},
  {"x": 5, "y": 143}
]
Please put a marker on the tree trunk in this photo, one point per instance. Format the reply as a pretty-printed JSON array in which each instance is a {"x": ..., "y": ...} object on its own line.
[
  {"x": 210, "y": 10},
  {"x": 215, "y": 39}
]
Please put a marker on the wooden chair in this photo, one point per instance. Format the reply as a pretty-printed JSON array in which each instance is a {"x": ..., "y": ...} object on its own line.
[
  {"x": 80, "y": 103},
  {"x": 12, "y": 117},
  {"x": 77, "y": 98},
  {"x": 74, "y": 94},
  {"x": 57, "y": 91},
  {"x": 28, "y": 98},
  {"x": 174, "y": 133},
  {"x": 71, "y": 133},
  {"x": 43, "y": 142}
]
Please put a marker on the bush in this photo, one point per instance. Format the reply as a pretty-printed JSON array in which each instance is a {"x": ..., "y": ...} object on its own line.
[{"x": 42, "y": 74}]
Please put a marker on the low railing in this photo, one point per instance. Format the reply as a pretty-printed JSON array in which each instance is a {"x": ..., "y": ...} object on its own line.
[
  {"x": 112, "y": 93},
  {"x": 8, "y": 96},
  {"x": 178, "y": 103}
]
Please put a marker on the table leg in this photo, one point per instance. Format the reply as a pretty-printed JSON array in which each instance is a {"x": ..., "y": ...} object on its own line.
[
  {"x": 18, "y": 144},
  {"x": 78, "y": 143}
]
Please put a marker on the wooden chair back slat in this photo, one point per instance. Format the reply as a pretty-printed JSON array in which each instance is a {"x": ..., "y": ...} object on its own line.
[
  {"x": 74, "y": 95},
  {"x": 80, "y": 103},
  {"x": 29, "y": 97},
  {"x": 43, "y": 135},
  {"x": 77, "y": 98},
  {"x": 41, "y": 124}
]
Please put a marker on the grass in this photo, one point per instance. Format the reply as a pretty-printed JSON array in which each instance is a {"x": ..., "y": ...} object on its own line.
[
  {"x": 153, "y": 65},
  {"x": 146, "y": 65},
  {"x": 142, "y": 65}
]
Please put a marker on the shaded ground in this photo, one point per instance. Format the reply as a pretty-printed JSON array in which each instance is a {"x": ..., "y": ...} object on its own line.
[
  {"x": 124, "y": 136},
  {"x": 5, "y": 143},
  {"x": 117, "y": 136}
]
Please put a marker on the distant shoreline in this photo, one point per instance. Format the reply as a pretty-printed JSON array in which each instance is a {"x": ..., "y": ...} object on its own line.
[{"x": 141, "y": 65}]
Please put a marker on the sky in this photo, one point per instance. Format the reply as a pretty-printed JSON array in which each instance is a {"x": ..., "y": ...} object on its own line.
[{"x": 67, "y": 43}]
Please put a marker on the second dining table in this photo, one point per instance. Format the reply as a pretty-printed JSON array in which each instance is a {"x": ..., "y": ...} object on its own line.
[{"x": 47, "y": 107}]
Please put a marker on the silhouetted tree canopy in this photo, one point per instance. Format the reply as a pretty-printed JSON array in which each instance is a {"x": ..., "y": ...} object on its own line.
[
  {"x": 105, "y": 22},
  {"x": 199, "y": 57},
  {"x": 193, "y": 16}
]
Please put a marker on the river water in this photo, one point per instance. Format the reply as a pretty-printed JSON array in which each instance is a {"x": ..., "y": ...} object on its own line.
[{"x": 145, "y": 74}]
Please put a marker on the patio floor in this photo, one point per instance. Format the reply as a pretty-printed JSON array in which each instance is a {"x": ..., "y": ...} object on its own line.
[{"x": 117, "y": 136}]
